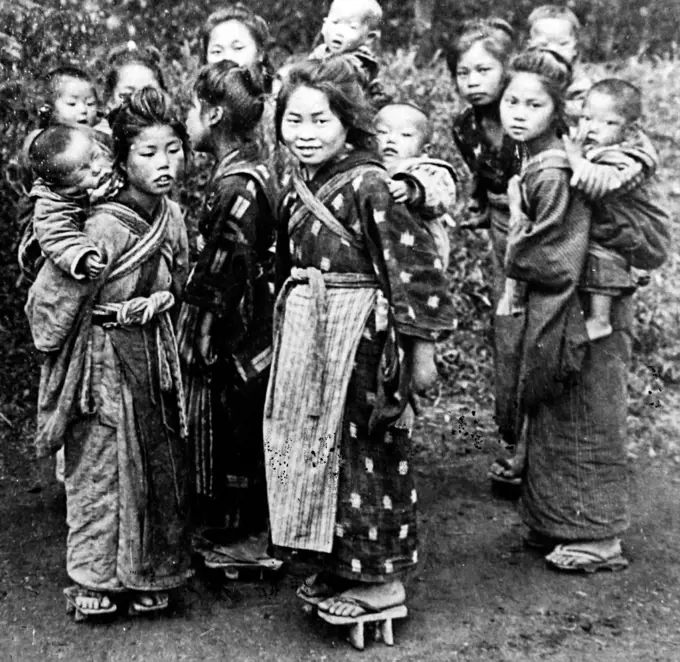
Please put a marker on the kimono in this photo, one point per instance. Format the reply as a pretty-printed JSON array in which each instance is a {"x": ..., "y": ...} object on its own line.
[
  {"x": 492, "y": 169},
  {"x": 232, "y": 285},
  {"x": 111, "y": 393},
  {"x": 572, "y": 391},
  {"x": 361, "y": 279}
]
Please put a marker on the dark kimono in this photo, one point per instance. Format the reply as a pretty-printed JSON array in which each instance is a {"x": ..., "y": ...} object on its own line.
[
  {"x": 573, "y": 391},
  {"x": 228, "y": 301},
  {"x": 373, "y": 500}
]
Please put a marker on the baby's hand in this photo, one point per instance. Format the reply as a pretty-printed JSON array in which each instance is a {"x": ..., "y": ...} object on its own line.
[
  {"x": 573, "y": 146},
  {"x": 93, "y": 266},
  {"x": 401, "y": 191}
]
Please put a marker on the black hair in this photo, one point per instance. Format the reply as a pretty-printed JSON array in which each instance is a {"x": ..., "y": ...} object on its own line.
[
  {"x": 46, "y": 151},
  {"x": 337, "y": 79},
  {"x": 232, "y": 88}
]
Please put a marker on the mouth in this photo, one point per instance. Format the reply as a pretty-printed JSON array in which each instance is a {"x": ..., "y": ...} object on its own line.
[
  {"x": 163, "y": 180},
  {"x": 476, "y": 97},
  {"x": 389, "y": 152},
  {"x": 307, "y": 151}
]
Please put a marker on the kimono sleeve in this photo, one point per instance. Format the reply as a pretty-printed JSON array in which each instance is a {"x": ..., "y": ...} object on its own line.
[
  {"x": 405, "y": 259},
  {"x": 437, "y": 187},
  {"x": 227, "y": 264},
  {"x": 57, "y": 224},
  {"x": 549, "y": 251}
]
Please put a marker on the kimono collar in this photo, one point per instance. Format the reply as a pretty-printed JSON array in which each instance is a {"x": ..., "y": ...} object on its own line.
[{"x": 124, "y": 198}]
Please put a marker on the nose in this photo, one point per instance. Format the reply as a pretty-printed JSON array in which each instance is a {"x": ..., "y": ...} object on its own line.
[
  {"x": 473, "y": 79},
  {"x": 163, "y": 161}
]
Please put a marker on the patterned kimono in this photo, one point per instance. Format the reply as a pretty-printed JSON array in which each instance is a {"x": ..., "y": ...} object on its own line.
[
  {"x": 111, "y": 393},
  {"x": 362, "y": 279},
  {"x": 232, "y": 282},
  {"x": 573, "y": 390},
  {"x": 492, "y": 169}
]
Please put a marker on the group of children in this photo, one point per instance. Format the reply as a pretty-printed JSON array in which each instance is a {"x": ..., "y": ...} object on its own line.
[{"x": 365, "y": 214}]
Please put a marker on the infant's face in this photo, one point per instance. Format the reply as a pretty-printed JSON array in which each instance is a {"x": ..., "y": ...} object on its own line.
[
  {"x": 601, "y": 121},
  {"x": 87, "y": 164},
  {"x": 401, "y": 133},
  {"x": 345, "y": 28},
  {"x": 75, "y": 102},
  {"x": 556, "y": 34}
]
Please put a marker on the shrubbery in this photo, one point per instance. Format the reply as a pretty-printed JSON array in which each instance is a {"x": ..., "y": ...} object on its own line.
[{"x": 37, "y": 38}]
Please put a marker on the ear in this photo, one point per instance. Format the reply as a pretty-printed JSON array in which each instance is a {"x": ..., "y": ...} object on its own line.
[
  {"x": 215, "y": 115},
  {"x": 372, "y": 38},
  {"x": 426, "y": 148}
]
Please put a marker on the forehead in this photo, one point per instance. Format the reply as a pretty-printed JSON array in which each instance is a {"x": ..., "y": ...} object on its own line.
[
  {"x": 308, "y": 101},
  {"x": 159, "y": 134},
  {"x": 230, "y": 31},
  {"x": 72, "y": 86},
  {"x": 527, "y": 86},
  {"x": 349, "y": 10},
  {"x": 603, "y": 103},
  {"x": 136, "y": 75},
  {"x": 398, "y": 116},
  {"x": 477, "y": 55},
  {"x": 555, "y": 26}
]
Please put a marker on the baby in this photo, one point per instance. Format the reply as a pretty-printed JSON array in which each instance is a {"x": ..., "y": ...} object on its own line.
[
  {"x": 613, "y": 164},
  {"x": 69, "y": 165},
  {"x": 352, "y": 28},
  {"x": 557, "y": 28},
  {"x": 427, "y": 186}
]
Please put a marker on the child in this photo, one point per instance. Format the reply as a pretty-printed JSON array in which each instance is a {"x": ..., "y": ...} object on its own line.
[
  {"x": 361, "y": 300},
  {"x": 427, "y": 186},
  {"x": 630, "y": 226},
  {"x": 352, "y": 28},
  {"x": 130, "y": 69},
  {"x": 478, "y": 61},
  {"x": 67, "y": 163},
  {"x": 557, "y": 28},
  {"x": 225, "y": 322},
  {"x": 571, "y": 393}
]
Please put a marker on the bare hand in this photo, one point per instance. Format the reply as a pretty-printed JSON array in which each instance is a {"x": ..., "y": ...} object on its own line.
[
  {"x": 424, "y": 368},
  {"x": 400, "y": 190},
  {"x": 200, "y": 243},
  {"x": 93, "y": 266}
]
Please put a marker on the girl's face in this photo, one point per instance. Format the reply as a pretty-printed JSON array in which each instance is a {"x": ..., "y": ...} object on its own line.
[
  {"x": 232, "y": 40},
  {"x": 75, "y": 102},
  {"x": 155, "y": 160},
  {"x": 198, "y": 126},
  {"x": 479, "y": 76},
  {"x": 310, "y": 129},
  {"x": 132, "y": 77},
  {"x": 527, "y": 110}
]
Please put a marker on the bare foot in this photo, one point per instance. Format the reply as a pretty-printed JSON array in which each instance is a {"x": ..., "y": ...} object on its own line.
[{"x": 366, "y": 598}]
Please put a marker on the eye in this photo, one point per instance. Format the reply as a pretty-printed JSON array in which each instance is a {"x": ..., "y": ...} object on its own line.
[{"x": 381, "y": 132}]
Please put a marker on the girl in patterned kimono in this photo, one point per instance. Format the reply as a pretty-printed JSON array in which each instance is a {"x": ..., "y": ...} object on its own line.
[
  {"x": 478, "y": 61},
  {"x": 363, "y": 298},
  {"x": 110, "y": 388},
  {"x": 224, "y": 326},
  {"x": 572, "y": 391}
]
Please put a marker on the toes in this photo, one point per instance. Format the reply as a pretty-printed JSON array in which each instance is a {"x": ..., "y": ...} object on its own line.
[{"x": 105, "y": 603}]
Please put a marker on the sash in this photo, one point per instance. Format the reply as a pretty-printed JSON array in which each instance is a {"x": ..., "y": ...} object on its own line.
[{"x": 315, "y": 204}]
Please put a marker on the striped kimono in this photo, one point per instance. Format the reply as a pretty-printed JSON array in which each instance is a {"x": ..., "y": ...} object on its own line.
[
  {"x": 230, "y": 287},
  {"x": 111, "y": 393},
  {"x": 362, "y": 279},
  {"x": 573, "y": 390}
]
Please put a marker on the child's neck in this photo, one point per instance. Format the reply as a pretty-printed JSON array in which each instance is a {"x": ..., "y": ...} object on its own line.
[
  {"x": 548, "y": 140},
  {"x": 223, "y": 145},
  {"x": 491, "y": 112}
]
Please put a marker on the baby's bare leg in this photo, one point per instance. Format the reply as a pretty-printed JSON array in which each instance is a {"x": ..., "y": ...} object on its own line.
[
  {"x": 424, "y": 368},
  {"x": 599, "y": 323}
]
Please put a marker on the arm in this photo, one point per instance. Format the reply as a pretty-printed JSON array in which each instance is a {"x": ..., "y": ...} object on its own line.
[
  {"x": 435, "y": 189},
  {"x": 549, "y": 252},
  {"x": 56, "y": 221}
]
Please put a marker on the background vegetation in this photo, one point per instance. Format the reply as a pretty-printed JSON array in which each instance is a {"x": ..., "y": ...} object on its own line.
[{"x": 626, "y": 33}]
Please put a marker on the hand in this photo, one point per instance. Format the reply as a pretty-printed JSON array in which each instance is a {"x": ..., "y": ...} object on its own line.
[
  {"x": 401, "y": 191},
  {"x": 200, "y": 243},
  {"x": 93, "y": 266},
  {"x": 425, "y": 372},
  {"x": 573, "y": 146},
  {"x": 204, "y": 341},
  {"x": 475, "y": 219}
]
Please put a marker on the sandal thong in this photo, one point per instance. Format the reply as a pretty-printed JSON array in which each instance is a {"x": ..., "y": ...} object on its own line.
[
  {"x": 315, "y": 590},
  {"x": 585, "y": 560}
]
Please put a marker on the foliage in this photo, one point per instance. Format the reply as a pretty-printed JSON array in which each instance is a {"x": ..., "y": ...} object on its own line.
[{"x": 35, "y": 38}]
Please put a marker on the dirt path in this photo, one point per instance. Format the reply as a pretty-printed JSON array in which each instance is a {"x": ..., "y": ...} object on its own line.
[{"x": 478, "y": 596}]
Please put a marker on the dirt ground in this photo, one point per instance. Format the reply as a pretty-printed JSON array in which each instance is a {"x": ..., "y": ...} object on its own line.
[{"x": 479, "y": 595}]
